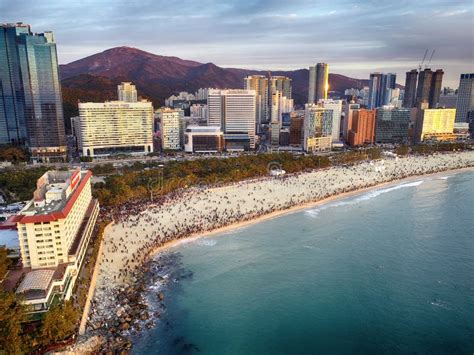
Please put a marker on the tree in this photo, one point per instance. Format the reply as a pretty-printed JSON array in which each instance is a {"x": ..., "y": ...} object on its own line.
[
  {"x": 402, "y": 150},
  {"x": 4, "y": 262},
  {"x": 12, "y": 313},
  {"x": 59, "y": 323}
]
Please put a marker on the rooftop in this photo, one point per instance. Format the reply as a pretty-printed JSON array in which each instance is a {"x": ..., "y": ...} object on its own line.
[
  {"x": 36, "y": 280},
  {"x": 54, "y": 197}
]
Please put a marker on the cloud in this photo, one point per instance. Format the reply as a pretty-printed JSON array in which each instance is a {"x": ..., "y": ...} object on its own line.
[{"x": 353, "y": 36}]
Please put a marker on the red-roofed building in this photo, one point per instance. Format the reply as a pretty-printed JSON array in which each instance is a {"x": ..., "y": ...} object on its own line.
[{"x": 54, "y": 229}]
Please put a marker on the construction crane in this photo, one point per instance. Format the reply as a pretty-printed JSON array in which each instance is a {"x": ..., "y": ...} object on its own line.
[
  {"x": 423, "y": 60},
  {"x": 431, "y": 57}
]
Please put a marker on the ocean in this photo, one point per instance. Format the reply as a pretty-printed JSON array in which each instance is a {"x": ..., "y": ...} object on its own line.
[{"x": 388, "y": 271}]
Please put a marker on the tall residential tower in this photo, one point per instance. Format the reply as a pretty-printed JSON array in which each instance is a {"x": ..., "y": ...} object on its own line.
[
  {"x": 259, "y": 83},
  {"x": 31, "y": 110},
  {"x": 410, "y": 89},
  {"x": 465, "y": 101},
  {"x": 318, "y": 83}
]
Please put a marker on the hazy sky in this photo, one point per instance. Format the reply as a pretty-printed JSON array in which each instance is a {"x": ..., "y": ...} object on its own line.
[{"x": 354, "y": 37}]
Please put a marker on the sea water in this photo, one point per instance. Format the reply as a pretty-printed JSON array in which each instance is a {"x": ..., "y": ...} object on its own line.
[{"x": 387, "y": 271}]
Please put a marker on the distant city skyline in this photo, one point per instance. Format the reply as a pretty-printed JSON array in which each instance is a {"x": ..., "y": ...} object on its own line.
[{"x": 354, "y": 37}]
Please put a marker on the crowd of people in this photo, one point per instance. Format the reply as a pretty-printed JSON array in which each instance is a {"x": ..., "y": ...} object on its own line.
[{"x": 139, "y": 229}]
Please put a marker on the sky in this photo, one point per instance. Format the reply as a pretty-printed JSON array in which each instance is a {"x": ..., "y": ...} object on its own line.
[{"x": 354, "y": 37}]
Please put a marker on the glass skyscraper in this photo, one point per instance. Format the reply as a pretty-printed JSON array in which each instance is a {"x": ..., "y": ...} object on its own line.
[
  {"x": 31, "y": 110},
  {"x": 379, "y": 89}
]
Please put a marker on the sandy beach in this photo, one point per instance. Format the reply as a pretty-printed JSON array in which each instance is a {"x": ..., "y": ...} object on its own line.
[{"x": 196, "y": 212}]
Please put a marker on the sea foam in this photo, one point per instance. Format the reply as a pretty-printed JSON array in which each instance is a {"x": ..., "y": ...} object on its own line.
[{"x": 314, "y": 213}]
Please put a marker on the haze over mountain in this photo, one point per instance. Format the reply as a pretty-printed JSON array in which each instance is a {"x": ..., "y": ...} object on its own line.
[{"x": 94, "y": 78}]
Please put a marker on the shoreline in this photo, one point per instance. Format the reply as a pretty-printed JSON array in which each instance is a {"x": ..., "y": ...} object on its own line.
[
  {"x": 297, "y": 208},
  {"x": 138, "y": 235}
]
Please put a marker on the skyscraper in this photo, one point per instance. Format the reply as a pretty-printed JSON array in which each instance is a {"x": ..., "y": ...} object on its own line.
[
  {"x": 375, "y": 84},
  {"x": 389, "y": 82},
  {"x": 410, "y": 89},
  {"x": 379, "y": 88},
  {"x": 429, "y": 87},
  {"x": 259, "y": 83},
  {"x": 127, "y": 92},
  {"x": 282, "y": 84},
  {"x": 424, "y": 87},
  {"x": 435, "y": 89},
  {"x": 318, "y": 83},
  {"x": 234, "y": 111},
  {"x": 31, "y": 109},
  {"x": 465, "y": 101}
]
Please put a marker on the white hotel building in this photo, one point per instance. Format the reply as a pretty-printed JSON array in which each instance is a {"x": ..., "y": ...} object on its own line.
[
  {"x": 54, "y": 230},
  {"x": 235, "y": 112},
  {"x": 113, "y": 127}
]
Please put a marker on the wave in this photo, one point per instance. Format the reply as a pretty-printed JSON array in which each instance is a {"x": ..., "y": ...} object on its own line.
[
  {"x": 314, "y": 213},
  {"x": 206, "y": 242}
]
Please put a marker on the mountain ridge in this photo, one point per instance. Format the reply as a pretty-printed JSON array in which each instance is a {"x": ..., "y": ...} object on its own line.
[{"x": 157, "y": 77}]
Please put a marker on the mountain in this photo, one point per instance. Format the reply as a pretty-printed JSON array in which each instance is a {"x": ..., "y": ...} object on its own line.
[{"x": 95, "y": 78}]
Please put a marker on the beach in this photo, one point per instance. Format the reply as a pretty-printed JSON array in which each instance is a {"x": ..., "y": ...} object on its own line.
[{"x": 137, "y": 234}]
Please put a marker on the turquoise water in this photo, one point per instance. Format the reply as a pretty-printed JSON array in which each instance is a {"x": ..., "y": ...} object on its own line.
[{"x": 385, "y": 272}]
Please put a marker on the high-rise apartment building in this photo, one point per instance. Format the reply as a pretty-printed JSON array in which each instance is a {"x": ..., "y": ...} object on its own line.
[
  {"x": 259, "y": 83},
  {"x": 317, "y": 124},
  {"x": 235, "y": 112},
  {"x": 127, "y": 92},
  {"x": 429, "y": 87},
  {"x": 435, "y": 89},
  {"x": 282, "y": 84},
  {"x": 379, "y": 88},
  {"x": 363, "y": 127},
  {"x": 465, "y": 100},
  {"x": 347, "y": 123},
  {"x": 31, "y": 109},
  {"x": 409, "y": 99},
  {"x": 112, "y": 127},
  {"x": 318, "y": 83},
  {"x": 172, "y": 129},
  {"x": 424, "y": 87},
  {"x": 296, "y": 129},
  {"x": 392, "y": 125},
  {"x": 336, "y": 107},
  {"x": 54, "y": 230}
]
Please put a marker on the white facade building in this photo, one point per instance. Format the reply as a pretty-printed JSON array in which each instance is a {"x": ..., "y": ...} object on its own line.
[
  {"x": 336, "y": 107},
  {"x": 117, "y": 126},
  {"x": 54, "y": 230},
  {"x": 127, "y": 92},
  {"x": 171, "y": 128},
  {"x": 234, "y": 111}
]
